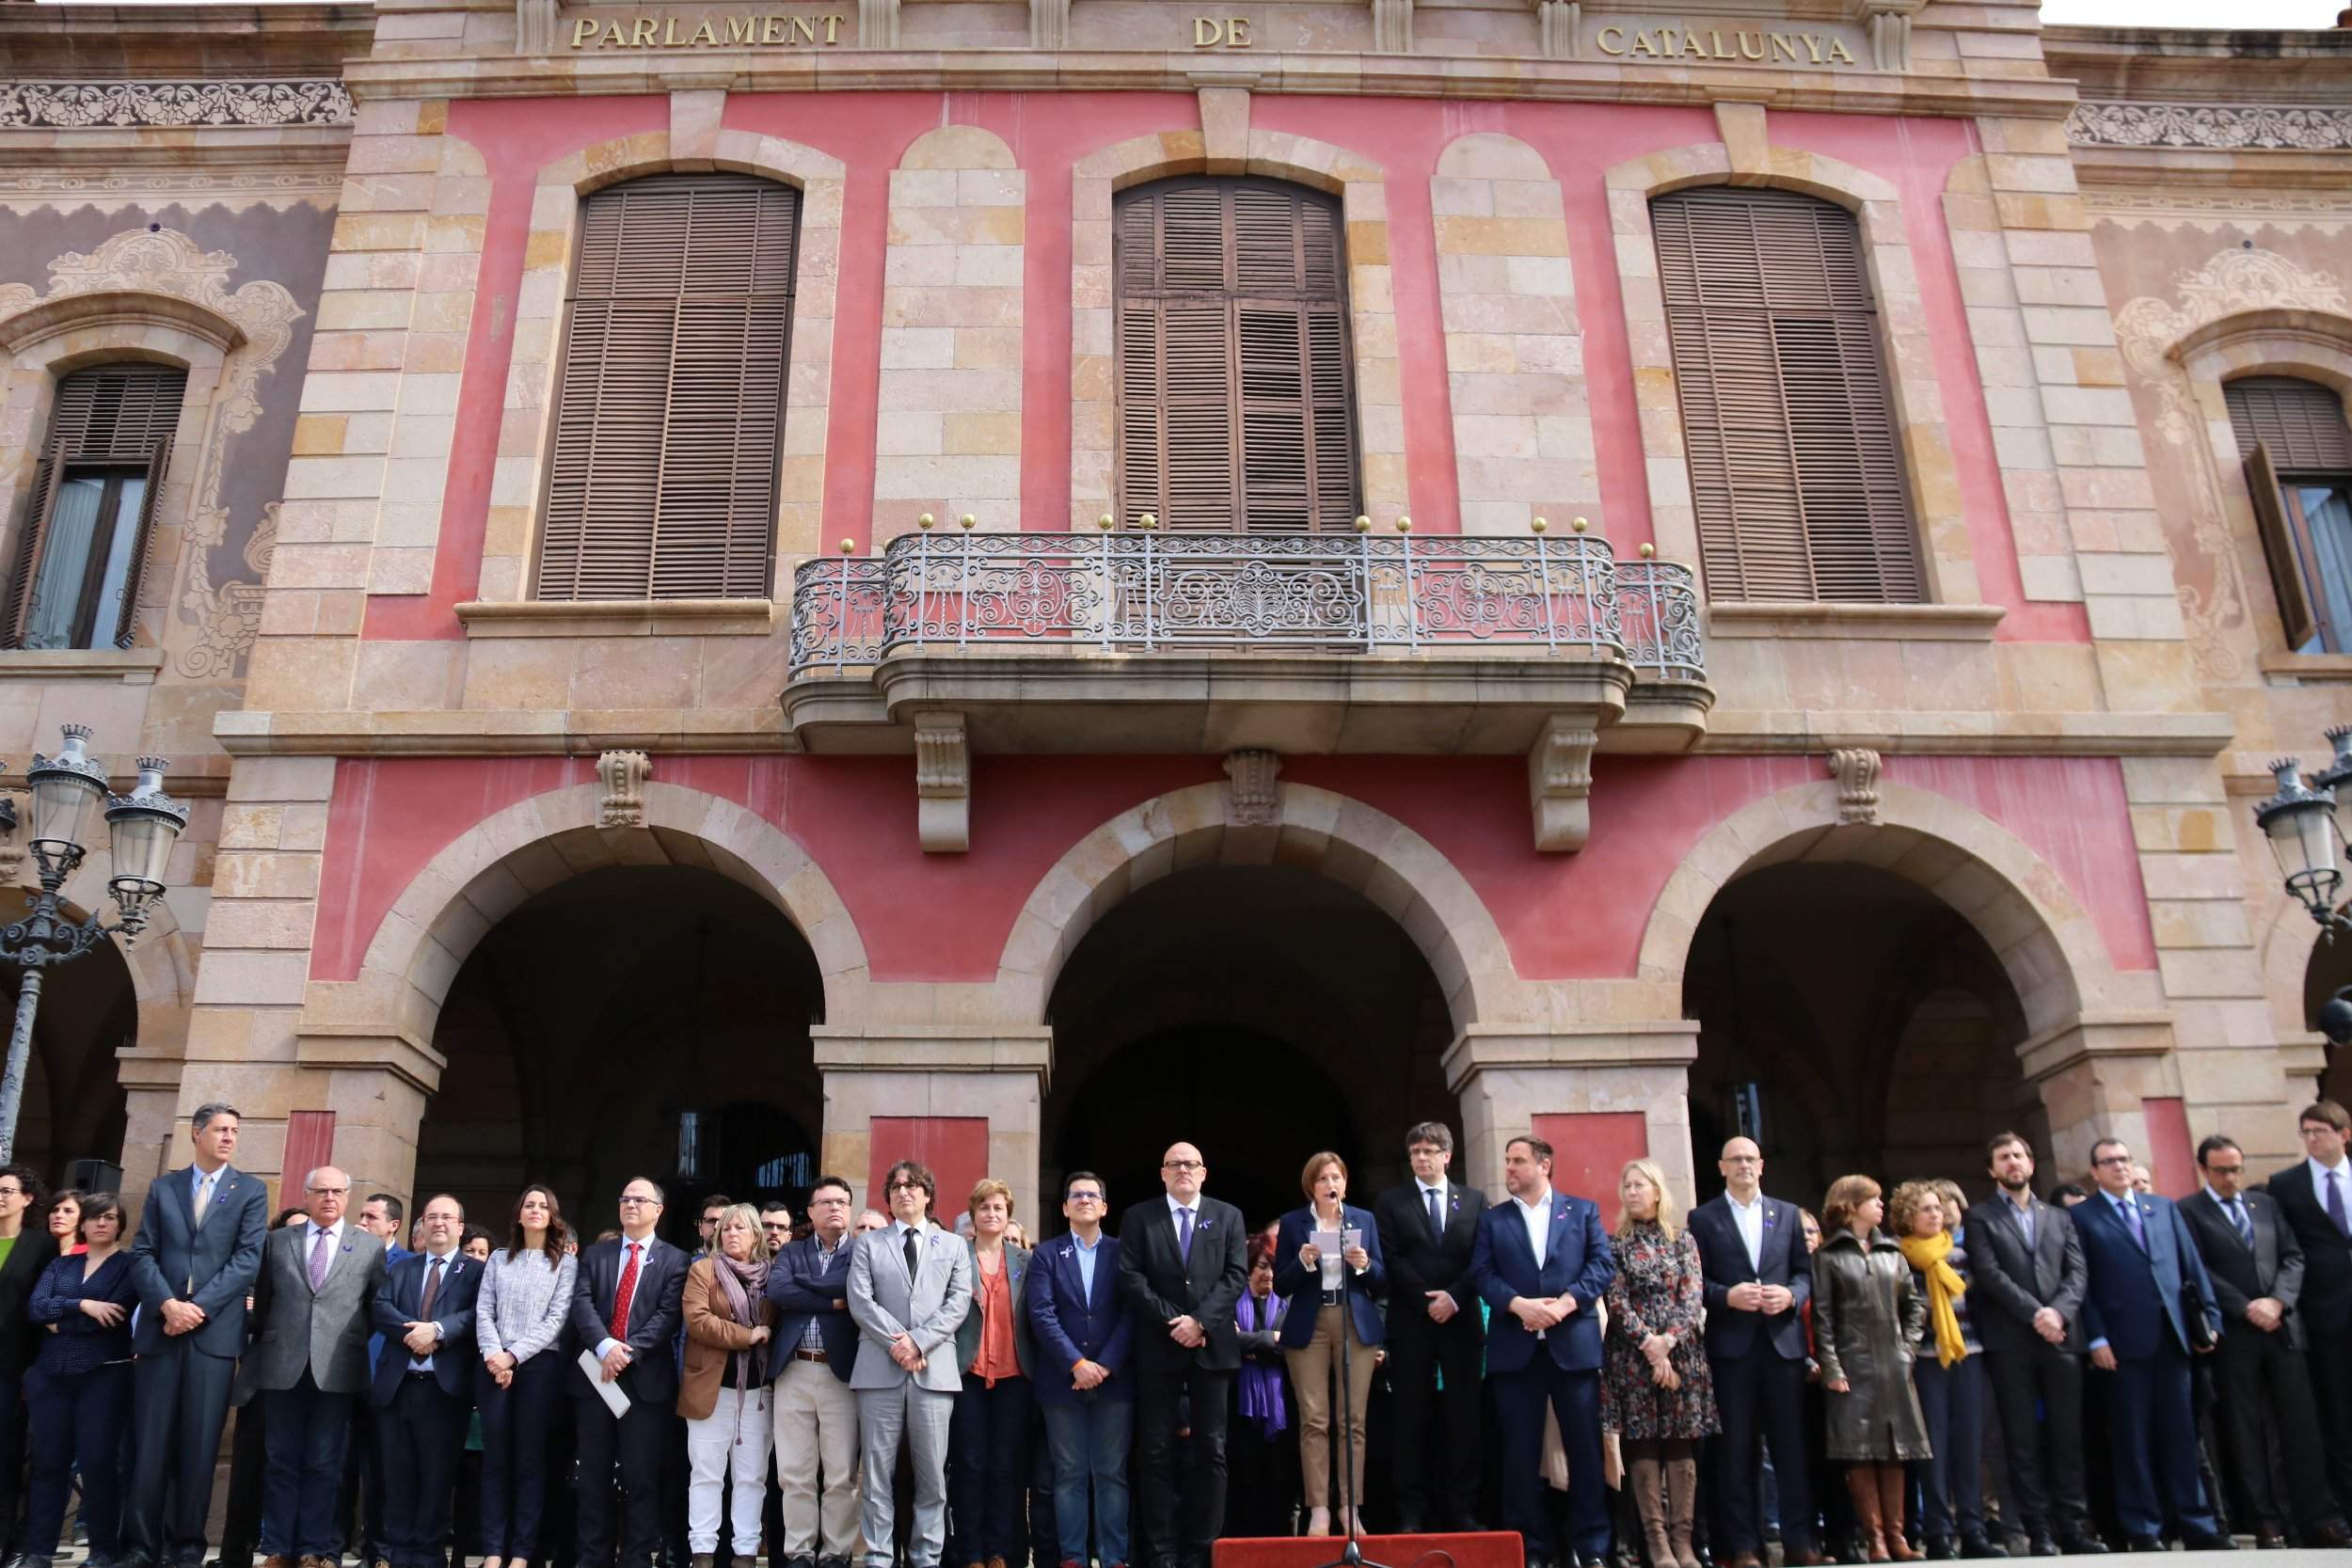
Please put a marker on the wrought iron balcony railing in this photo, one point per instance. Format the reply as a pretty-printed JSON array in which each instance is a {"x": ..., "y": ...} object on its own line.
[{"x": 1146, "y": 590}]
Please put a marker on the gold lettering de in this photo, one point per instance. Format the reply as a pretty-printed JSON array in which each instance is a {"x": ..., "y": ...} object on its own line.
[
  {"x": 1709, "y": 43},
  {"x": 711, "y": 32},
  {"x": 1220, "y": 32}
]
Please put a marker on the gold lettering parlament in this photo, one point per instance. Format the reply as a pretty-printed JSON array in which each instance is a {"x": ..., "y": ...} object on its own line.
[
  {"x": 725, "y": 32},
  {"x": 1752, "y": 45}
]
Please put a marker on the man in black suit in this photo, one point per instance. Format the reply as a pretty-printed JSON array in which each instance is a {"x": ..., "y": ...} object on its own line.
[
  {"x": 624, "y": 1311},
  {"x": 197, "y": 1254},
  {"x": 2026, "y": 1303},
  {"x": 424, "y": 1383},
  {"x": 2256, "y": 1266},
  {"x": 1758, "y": 1279},
  {"x": 1429, "y": 1227},
  {"x": 2316, "y": 1199},
  {"x": 1182, "y": 1265}
]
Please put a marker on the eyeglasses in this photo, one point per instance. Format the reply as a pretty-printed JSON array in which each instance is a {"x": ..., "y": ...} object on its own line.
[
  {"x": 2225, "y": 1170},
  {"x": 630, "y": 1200},
  {"x": 2112, "y": 1160},
  {"x": 1743, "y": 1158},
  {"x": 1180, "y": 1166},
  {"x": 330, "y": 1192},
  {"x": 2313, "y": 1128},
  {"x": 906, "y": 1187},
  {"x": 13, "y": 1192}
]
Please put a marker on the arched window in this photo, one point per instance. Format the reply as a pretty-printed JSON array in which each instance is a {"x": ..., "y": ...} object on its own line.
[
  {"x": 1235, "y": 399},
  {"x": 1796, "y": 471},
  {"x": 662, "y": 483},
  {"x": 79, "y": 560},
  {"x": 2298, "y": 468}
]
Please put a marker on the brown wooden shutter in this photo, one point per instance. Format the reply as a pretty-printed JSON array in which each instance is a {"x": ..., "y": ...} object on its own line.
[
  {"x": 2300, "y": 421},
  {"x": 2295, "y": 611},
  {"x": 1796, "y": 471},
  {"x": 670, "y": 418},
  {"x": 1236, "y": 385},
  {"x": 122, "y": 415}
]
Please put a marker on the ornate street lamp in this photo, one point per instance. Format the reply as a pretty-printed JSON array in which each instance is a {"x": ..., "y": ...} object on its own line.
[{"x": 143, "y": 824}]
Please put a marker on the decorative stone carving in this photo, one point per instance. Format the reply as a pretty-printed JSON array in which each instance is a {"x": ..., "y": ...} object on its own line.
[
  {"x": 1890, "y": 32},
  {"x": 878, "y": 23},
  {"x": 88, "y": 105},
  {"x": 1560, "y": 784},
  {"x": 2231, "y": 127},
  {"x": 1049, "y": 24},
  {"x": 534, "y": 27},
  {"x": 1392, "y": 26},
  {"x": 2148, "y": 329},
  {"x": 167, "y": 262},
  {"x": 1251, "y": 797},
  {"x": 943, "y": 784},
  {"x": 623, "y": 775},
  {"x": 1559, "y": 23},
  {"x": 1856, "y": 771}
]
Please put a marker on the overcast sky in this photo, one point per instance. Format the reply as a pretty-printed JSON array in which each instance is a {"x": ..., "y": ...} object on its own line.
[{"x": 2192, "y": 13}]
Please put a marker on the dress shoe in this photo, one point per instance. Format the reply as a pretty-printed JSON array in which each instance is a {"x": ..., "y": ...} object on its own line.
[
  {"x": 2330, "y": 1534},
  {"x": 2268, "y": 1538},
  {"x": 2085, "y": 1545},
  {"x": 2142, "y": 1543},
  {"x": 1805, "y": 1557},
  {"x": 1411, "y": 1523},
  {"x": 278, "y": 1559},
  {"x": 2206, "y": 1541},
  {"x": 1979, "y": 1544},
  {"x": 2041, "y": 1544}
]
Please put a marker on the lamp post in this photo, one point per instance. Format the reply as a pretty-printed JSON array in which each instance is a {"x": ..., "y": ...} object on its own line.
[
  {"x": 2308, "y": 839},
  {"x": 144, "y": 825}
]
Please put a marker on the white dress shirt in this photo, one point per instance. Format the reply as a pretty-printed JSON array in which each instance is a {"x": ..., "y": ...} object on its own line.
[
  {"x": 1538, "y": 1219},
  {"x": 629, "y": 1249},
  {"x": 2323, "y": 1175},
  {"x": 424, "y": 1363},
  {"x": 1749, "y": 1217}
]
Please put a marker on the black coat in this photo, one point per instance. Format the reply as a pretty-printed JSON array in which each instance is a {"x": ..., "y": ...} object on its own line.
[
  {"x": 1159, "y": 1284},
  {"x": 1422, "y": 1261},
  {"x": 2327, "y": 1252},
  {"x": 1723, "y": 1262},
  {"x": 2272, "y": 1267},
  {"x": 652, "y": 1376},
  {"x": 2006, "y": 1288},
  {"x": 34, "y": 1250}
]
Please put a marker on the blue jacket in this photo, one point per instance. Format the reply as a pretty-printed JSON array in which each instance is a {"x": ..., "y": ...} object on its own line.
[
  {"x": 1577, "y": 1263},
  {"x": 401, "y": 1301},
  {"x": 803, "y": 1288},
  {"x": 1302, "y": 1287},
  {"x": 79, "y": 1342},
  {"x": 2135, "y": 1296},
  {"x": 1723, "y": 1264},
  {"x": 1067, "y": 1327},
  {"x": 213, "y": 1265}
]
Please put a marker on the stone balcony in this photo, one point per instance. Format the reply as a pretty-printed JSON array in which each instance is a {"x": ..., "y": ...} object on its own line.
[{"x": 1144, "y": 640}]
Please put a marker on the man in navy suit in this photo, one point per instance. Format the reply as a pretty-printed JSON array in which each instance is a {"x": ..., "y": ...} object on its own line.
[
  {"x": 1083, "y": 1334},
  {"x": 424, "y": 1384},
  {"x": 197, "y": 1254},
  {"x": 1757, "y": 1278},
  {"x": 625, "y": 1312},
  {"x": 814, "y": 1350},
  {"x": 2316, "y": 1196},
  {"x": 1543, "y": 1264},
  {"x": 2140, "y": 1259}
]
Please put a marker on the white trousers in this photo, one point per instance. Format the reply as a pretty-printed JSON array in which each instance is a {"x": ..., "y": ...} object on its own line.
[
  {"x": 816, "y": 1432},
  {"x": 729, "y": 1449}
]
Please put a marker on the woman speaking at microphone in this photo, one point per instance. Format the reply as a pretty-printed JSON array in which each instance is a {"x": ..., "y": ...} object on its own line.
[{"x": 1332, "y": 1292}]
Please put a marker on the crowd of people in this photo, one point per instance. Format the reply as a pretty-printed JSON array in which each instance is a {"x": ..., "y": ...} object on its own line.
[{"x": 1902, "y": 1373}]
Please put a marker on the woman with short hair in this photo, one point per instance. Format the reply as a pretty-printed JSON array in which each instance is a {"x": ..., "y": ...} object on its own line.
[
  {"x": 1333, "y": 1294},
  {"x": 1868, "y": 1316},
  {"x": 987, "y": 1436},
  {"x": 723, "y": 1392},
  {"x": 1657, "y": 1393}
]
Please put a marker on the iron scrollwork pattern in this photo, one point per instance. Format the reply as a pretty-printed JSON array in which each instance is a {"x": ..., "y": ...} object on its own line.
[{"x": 1143, "y": 591}]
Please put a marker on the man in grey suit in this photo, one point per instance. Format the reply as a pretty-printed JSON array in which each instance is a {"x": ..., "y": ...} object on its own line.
[
  {"x": 909, "y": 1286},
  {"x": 195, "y": 1259},
  {"x": 318, "y": 1282}
]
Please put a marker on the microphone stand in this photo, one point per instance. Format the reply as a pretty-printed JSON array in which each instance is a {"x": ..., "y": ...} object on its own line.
[{"x": 1352, "y": 1554}]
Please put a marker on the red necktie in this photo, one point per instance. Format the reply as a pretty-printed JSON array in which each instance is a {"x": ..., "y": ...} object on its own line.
[{"x": 620, "y": 1297}]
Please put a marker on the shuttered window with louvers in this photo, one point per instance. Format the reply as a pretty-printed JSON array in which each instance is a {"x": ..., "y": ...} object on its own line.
[
  {"x": 1235, "y": 401},
  {"x": 2298, "y": 473},
  {"x": 2300, "y": 421},
  {"x": 1796, "y": 472},
  {"x": 83, "y": 550},
  {"x": 670, "y": 418}
]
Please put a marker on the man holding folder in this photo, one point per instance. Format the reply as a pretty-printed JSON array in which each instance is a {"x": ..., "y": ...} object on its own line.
[{"x": 624, "y": 1317}]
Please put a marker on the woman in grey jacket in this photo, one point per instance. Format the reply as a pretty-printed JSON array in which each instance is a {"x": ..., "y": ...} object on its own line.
[{"x": 518, "y": 1322}]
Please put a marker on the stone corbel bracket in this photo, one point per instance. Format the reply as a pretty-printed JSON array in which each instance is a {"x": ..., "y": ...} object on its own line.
[
  {"x": 1890, "y": 32},
  {"x": 878, "y": 23},
  {"x": 943, "y": 784},
  {"x": 1049, "y": 24},
  {"x": 1559, "y": 23},
  {"x": 1253, "y": 801},
  {"x": 1391, "y": 26},
  {"x": 1560, "y": 784},
  {"x": 1856, "y": 771},
  {"x": 622, "y": 775},
  {"x": 534, "y": 27}
]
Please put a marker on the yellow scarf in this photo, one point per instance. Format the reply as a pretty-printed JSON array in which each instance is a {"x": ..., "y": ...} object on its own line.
[{"x": 1945, "y": 1286}]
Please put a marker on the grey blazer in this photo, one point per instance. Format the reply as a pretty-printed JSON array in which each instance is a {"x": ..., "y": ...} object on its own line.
[
  {"x": 322, "y": 1332},
  {"x": 968, "y": 1333},
  {"x": 883, "y": 1303}
]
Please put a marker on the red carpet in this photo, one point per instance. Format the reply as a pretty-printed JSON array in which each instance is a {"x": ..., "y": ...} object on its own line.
[{"x": 1490, "y": 1549}]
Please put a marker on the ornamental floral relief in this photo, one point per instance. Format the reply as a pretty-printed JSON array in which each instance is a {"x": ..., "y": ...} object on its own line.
[
  {"x": 2149, "y": 330},
  {"x": 167, "y": 262},
  {"x": 2231, "y": 127},
  {"x": 86, "y": 105}
]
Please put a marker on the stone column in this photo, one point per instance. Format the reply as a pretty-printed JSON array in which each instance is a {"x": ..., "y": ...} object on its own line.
[
  {"x": 1506, "y": 1075},
  {"x": 891, "y": 1069}
]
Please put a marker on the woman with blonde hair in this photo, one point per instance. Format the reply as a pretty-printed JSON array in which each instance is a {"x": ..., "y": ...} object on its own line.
[
  {"x": 724, "y": 1391},
  {"x": 1924, "y": 1217},
  {"x": 1655, "y": 1391},
  {"x": 1868, "y": 1312}
]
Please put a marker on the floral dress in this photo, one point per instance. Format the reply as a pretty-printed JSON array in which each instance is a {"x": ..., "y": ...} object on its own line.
[{"x": 1658, "y": 1290}]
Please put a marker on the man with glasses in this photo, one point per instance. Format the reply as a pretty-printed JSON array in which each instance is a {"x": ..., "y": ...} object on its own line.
[
  {"x": 1182, "y": 1265},
  {"x": 318, "y": 1281},
  {"x": 2256, "y": 1265},
  {"x": 2147, "y": 1298},
  {"x": 624, "y": 1311},
  {"x": 1084, "y": 1335},
  {"x": 816, "y": 1351},
  {"x": 2315, "y": 1195},
  {"x": 23, "y": 1256},
  {"x": 909, "y": 1286},
  {"x": 196, "y": 1256},
  {"x": 424, "y": 1386}
]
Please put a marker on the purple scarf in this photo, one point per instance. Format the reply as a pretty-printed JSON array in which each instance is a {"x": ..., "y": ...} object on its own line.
[
  {"x": 1261, "y": 1384},
  {"x": 741, "y": 1284}
]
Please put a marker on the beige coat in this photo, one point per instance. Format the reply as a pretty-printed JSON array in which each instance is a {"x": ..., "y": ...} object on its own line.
[{"x": 712, "y": 1337}]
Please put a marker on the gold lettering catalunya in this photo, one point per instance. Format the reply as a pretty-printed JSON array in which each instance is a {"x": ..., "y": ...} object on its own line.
[
  {"x": 1684, "y": 41},
  {"x": 707, "y": 32}
]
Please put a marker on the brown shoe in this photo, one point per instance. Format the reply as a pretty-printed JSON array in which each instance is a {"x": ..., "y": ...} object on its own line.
[
  {"x": 995, "y": 1562},
  {"x": 1862, "y": 1484},
  {"x": 281, "y": 1561},
  {"x": 1891, "y": 1490}
]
